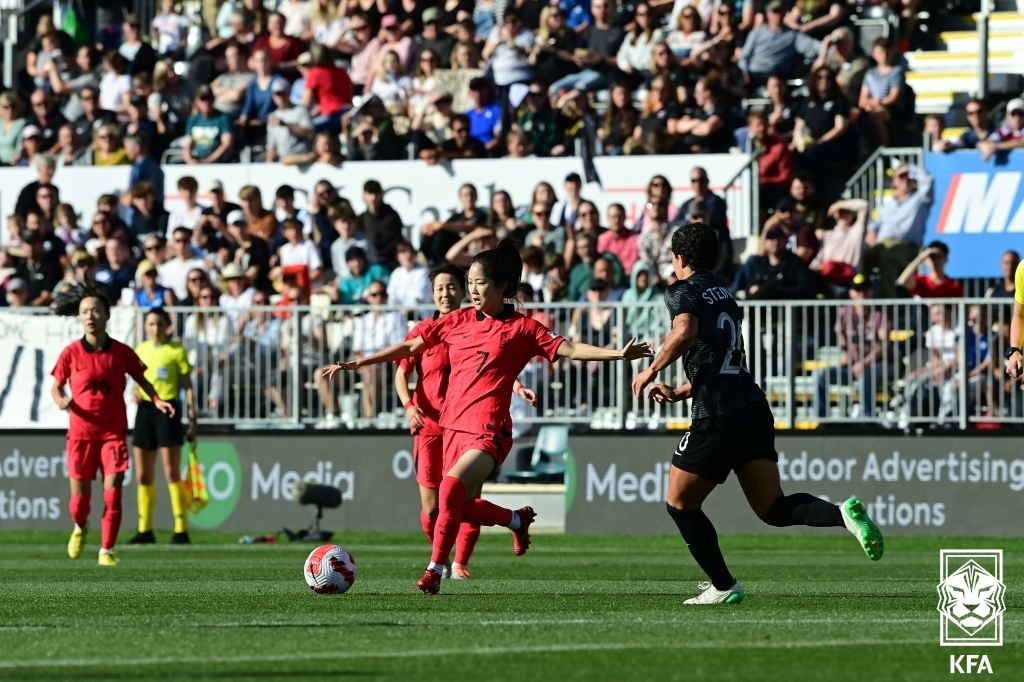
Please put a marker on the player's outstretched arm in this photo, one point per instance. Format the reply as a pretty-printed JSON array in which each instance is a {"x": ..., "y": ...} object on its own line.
[
  {"x": 584, "y": 351},
  {"x": 684, "y": 331},
  {"x": 399, "y": 351}
]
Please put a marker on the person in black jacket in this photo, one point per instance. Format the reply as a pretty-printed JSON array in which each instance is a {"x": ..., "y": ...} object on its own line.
[
  {"x": 777, "y": 275},
  {"x": 381, "y": 224}
]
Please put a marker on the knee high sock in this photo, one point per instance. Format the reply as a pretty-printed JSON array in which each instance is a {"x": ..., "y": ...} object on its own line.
[
  {"x": 147, "y": 506},
  {"x": 469, "y": 533},
  {"x": 802, "y": 509},
  {"x": 702, "y": 541},
  {"x": 428, "y": 521},
  {"x": 79, "y": 508},
  {"x": 177, "y": 494},
  {"x": 450, "y": 498},
  {"x": 484, "y": 513},
  {"x": 111, "y": 517}
]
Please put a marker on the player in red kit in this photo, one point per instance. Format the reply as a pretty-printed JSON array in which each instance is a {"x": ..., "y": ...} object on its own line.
[
  {"x": 423, "y": 408},
  {"x": 489, "y": 344},
  {"x": 95, "y": 368}
]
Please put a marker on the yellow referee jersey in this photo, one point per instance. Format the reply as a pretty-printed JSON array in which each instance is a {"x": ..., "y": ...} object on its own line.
[
  {"x": 166, "y": 363},
  {"x": 1018, "y": 281}
]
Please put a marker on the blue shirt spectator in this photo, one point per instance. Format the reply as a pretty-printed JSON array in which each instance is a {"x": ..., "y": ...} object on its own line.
[
  {"x": 144, "y": 168},
  {"x": 903, "y": 217},
  {"x": 485, "y": 122},
  {"x": 258, "y": 103}
]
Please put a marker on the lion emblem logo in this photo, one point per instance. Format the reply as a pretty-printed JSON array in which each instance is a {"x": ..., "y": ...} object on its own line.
[{"x": 971, "y": 597}]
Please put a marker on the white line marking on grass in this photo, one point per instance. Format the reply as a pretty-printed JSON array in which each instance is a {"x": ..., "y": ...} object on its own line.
[{"x": 433, "y": 653}]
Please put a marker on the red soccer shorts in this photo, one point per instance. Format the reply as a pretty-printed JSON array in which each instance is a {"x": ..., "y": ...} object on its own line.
[
  {"x": 85, "y": 457},
  {"x": 458, "y": 443},
  {"x": 428, "y": 453}
]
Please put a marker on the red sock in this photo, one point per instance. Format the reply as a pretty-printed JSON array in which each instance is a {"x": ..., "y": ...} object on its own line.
[
  {"x": 80, "y": 509},
  {"x": 450, "y": 496},
  {"x": 469, "y": 533},
  {"x": 486, "y": 513},
  {"x": 428, "y": 524},
  {"x": 111, "y": 517}
]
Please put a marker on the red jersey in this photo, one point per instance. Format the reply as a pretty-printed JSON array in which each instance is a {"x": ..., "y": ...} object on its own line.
[
  {"x": 925, "y": 287},
  {"x": 97, "y": 381},
  {"x": 432, "y": 368},
  {"x": 331, "y": 87},
  {"x": 486, "y": 354}
]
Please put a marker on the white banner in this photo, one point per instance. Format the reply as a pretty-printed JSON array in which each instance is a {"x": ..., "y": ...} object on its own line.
[
  {"x": 421, "y": 193},
  {"x": 29, "y": 348}
]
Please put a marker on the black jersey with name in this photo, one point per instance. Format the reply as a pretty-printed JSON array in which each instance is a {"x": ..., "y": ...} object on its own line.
[{"x": 715, "y": 363}]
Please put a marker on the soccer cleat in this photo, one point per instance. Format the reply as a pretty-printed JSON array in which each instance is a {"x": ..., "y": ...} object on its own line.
[
  {"x": 181, "y": 539},
  {"x": 460, "y": 573},
  {"x": 710, "y": 595},
  {"x": 107, "y": 559},
  {"x": 76, "y": 543},
  {"x": 430, "y": 583},
  {"x": 521, "y": 536},
  {"x": 857, "y": 521},
  {"x": 143, "y": 538},
  {"x": 446, "y": 572}
]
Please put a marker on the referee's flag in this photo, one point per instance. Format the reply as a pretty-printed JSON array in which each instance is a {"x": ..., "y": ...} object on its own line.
[{"x": 196, "y": 495}]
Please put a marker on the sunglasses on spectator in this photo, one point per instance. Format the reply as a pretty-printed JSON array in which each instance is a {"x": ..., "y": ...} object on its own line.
[
  {"x": 376, "y": 294},
  {"x": 972, "y": 112},
  {"x": 698, "y": 181},
  {"x": 194, "y": 280},
  {"x": 542, "y": 214},
  {"x": 586, "y": 214}
]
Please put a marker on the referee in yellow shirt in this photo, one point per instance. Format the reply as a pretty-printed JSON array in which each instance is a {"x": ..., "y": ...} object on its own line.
[
  {"x": 1014, "y": 361},
  {"x": 168, "y": 371}
]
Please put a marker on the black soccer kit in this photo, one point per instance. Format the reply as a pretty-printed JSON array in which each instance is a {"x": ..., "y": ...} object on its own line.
[{"x": 732, "y": 423}]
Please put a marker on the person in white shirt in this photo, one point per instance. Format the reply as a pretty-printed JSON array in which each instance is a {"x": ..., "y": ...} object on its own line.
[
  {"x": 409, "y": 284},
  {"x": 375, "y": 331},
  {"x": 563, "y": 213},
  {"x": 297, "y": 251},
  {"x": 346, "y": 223},
  {"x": 174, "y": 273},
  {"x": 191, "y": 213},
  {"x": 238, "y": 296}
]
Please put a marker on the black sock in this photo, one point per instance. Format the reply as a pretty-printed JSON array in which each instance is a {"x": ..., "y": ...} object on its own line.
[
  {"x": 702, "y": 541},
  {"x": 802, "y": 509}
]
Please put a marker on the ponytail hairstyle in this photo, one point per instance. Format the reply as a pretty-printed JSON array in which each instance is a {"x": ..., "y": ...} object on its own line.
[
  {"x": 70, "y": 298},
  {"x": 503, "y": 264}
]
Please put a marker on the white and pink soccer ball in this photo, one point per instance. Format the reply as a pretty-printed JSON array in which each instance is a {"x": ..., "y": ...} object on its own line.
[{"x": 330, "y": 569}]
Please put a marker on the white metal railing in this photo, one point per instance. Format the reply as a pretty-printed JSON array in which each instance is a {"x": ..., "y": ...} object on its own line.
[{"x": 902, "y": 364}]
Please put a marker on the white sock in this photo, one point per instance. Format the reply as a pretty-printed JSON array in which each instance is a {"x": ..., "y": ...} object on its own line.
[
  {"x": 436, "y": 568},
  {"x": 77, "y": 527},
  {"x": 515, "y": 522},
  {"x": 458, "y": 566},
  {"x": 104, "y": 551}
]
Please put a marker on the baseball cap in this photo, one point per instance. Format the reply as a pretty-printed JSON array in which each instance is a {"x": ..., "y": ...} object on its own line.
[
  {"x": 775, "y": 232},
  {"x": 145, "y": 266},
  {"x": 860, "y": 282},
  {"x": 1015, "y": 104},
  {"x": 215, "y": 186},
  {"x": 30, "y": 131},
  {"x": 431, "y": 14},
  {"x": 236, "y": 216},
  {"x": 279, "y": 85},
  {"x": 304, "y": 58},
  {"x": 17, "y": 284},
  {"x": 232, "y": 271},
  {"x": 389, "y": 21}
]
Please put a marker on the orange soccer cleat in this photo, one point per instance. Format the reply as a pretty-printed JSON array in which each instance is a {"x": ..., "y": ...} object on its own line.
[{"x": 521, "y": 536}]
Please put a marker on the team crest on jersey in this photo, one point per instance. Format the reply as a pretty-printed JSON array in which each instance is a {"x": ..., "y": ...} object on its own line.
[{"x": 505, "y": 339}]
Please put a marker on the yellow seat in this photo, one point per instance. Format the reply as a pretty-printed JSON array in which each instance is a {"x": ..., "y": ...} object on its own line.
[{"x": 901, "y": 335}]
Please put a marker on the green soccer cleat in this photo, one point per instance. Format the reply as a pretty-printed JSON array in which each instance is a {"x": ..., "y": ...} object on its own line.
[
  {"x": 710, "y": 595},
  {"x": 857, "y": 521}
]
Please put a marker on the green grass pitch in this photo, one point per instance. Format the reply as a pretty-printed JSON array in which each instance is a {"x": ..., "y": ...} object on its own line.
[{"x": 573, "y": 608}]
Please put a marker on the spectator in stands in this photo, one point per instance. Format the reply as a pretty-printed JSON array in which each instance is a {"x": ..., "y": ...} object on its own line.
[
  {"x": 619, "y": 240},
  {"x": 282, "y": 49},
  {"x": 809, "y": 205},
  {"x": 502, "y": 217},
  {"x": 217, "y": 212},
  {"x": 686, "y": 34},
  {"x": 239, "y": 295},
  {"x": 258, "y": 101},
  {"x": 463, "y": 251},
  {"x": 866, "y": 359},
  {"x": 207, "y": 336},
  {"x": 409, "y": 284},
  {"x": 935, "y": 284},
  {"x": 344, "y": 220},
  {"x": 895, "y": 237},
  {"x": 597, "y": 58},
  {"x": 144, "y": 167},
  {"x": 543, "y": 126},
  {"x": 352, "y": 288},
  {"x": 439, "y": 237},
  {"x": 229, "y": 88},
  {"x": 329, "y": 91},
  {"x": 1008, "y": 136},
  {"x": 45, "y": 117},
  {"x": 389, "y": 38},
  {"x": 821, "y": 136},
  {"x": 119, "y": 272},
  {"x": 209, "y": 135},
  {"x": 171, "y": 102},
  {"x": 12, "y": 123},
  {"x": 37, "y": 50},
  {"x": 45, "y": 166},
  {"x": 41, "y": 272},
  {"x": 619, "y": 121},
  {"x": 289, "y": 128},
  {"x": 69, "y": 150},
  {"x": 608, "y": 269},
  {"x": 545, "y": 236},
  {"x": 979, "y": 127},
  {"x": 800, "y": 237},
  {"x": 93, "y": 116},
  {"x": 484, "y": 116},
  {"x": 361, "y": 30},
  {"x": 701, "y": 188},
  {"x": 392, "y": 85},
  {"x": 782, "y": 109},
  {"x": 192, "y": 213},
  {"x": 140, "y": 54},
  {"x": 170, "y": 30},
  {"x": 655, "y": 242},
  {"x": 707, "y": 130},
  {"x": 364, "y": 141},
  {"x": 642, "y": 315},
  {"x": 881, "y": 93},
  {"x": 461, "y": 144},
  {"x": 839, "y": 53},
  {"x": 284, "y": 206},
  {"x": 634, "y": 56},
  {"x": 582, "y": 272},
  {"x": 433, "y": 38},
  {"x": 16, "y": 294},
  {"x": 1008, "y": 266},
  {"x": 375, "y": 331},
  {"x": 31, "y": 146},
  {"x": 507, "y": 49},
  {"x": 249, "y": 252},
  {"x": 932, "y": 387},
  {"x": 147, "y": 217},
  {"x": 777, "y": 275},
  {"x": 175, "y": 273},
  {"x": 553, "y": 53},
  {"x": 774, "y": 48},
  {"x": 660, "y": 110},
  {"x": 116, "y": 84},
  {"x": 841, "y": 253},
  {"x": 261, "y": 222},
  {"x": 815, "y": 18},
  {"x": 775, "y": 163},
  {"x": 298, "y": 257},
  {"x": 699, "y": 212},
  {"x": 589, "y": 219},
  {"x": 564, "y": 212},
  {"x": 380, "y": 223},
  {"x": 665, "y": 65},
  {"x": 149, "y": 294},
  {"x": 66, "y": 227}
]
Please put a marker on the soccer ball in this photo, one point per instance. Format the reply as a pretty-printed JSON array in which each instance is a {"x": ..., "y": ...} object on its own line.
[{"x": 330, "y": 569}]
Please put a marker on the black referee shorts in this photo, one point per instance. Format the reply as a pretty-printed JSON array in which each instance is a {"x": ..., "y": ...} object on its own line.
[
  {"x": 154, "y": 429},
  {"x": 714, "y": 446}
]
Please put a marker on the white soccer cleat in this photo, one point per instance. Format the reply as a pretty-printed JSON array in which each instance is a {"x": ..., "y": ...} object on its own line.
[
  {"x": 710, "y": 595},
  {"x": 446, "y": 572}
]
